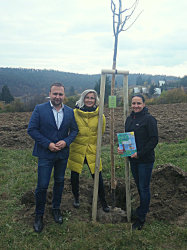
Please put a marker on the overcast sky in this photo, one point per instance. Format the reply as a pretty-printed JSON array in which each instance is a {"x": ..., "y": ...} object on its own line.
[{"x": 77, "y": 36}]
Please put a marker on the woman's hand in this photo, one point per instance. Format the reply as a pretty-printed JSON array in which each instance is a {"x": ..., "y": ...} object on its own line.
[
  {"x": 134, "y": 156},
  {"x": 120, "y": 151}
]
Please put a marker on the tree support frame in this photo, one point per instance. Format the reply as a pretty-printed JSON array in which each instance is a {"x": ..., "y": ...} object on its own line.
[{"x": 99, "y": 139}]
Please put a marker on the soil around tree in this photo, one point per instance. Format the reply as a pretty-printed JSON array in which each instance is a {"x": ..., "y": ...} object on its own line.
[{"x": 168, "y": 183}]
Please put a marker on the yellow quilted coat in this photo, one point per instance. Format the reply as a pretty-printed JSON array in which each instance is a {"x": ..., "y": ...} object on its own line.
[{"x": 85, "y": 143}]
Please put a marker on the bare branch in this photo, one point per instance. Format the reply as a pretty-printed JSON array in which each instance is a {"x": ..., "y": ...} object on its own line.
[
  {"x": 119, "y": 25},
  {"x": 114, "y": 7},
  {"x": 134, "y": 4},
  {"x": 134, "y": 21}
]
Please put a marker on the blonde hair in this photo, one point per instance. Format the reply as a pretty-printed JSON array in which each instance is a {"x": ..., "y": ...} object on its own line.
[{"x": 80, "y": 102}]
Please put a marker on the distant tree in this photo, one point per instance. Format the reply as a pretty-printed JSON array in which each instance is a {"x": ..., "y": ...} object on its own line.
[
  {"x": 107, "y": 88},
  {"x": 71, "y": 91},
  {"x": 145, "y": 84},
  {"x": 184, "y": 81},
  {"x": 6, "y": 95},
  {"x": 37, "y": 99},
  {"x": 139, "y": 80},
  {"x": 152, "y": 89},
  {"x": 149, "y": 80}
]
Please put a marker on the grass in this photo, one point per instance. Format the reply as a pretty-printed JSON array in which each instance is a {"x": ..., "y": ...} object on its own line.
[{"x": 18, "y": 174}]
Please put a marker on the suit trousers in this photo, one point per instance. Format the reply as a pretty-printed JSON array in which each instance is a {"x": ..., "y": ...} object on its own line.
[{"x": 45, "y": 167}]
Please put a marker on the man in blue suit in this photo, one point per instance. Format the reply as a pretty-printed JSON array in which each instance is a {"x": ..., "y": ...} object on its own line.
[{"x": 53, "y": 128}]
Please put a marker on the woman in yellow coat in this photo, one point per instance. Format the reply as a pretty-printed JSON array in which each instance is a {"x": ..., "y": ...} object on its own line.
[{"x": 83, "y": 149}]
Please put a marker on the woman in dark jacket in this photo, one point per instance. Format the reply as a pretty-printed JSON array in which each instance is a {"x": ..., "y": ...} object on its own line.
[{"x": 145, "y": 129}]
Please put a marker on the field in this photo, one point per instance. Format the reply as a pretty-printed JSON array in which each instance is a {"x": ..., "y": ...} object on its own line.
[
  {"x": 171, "y": 120},
  {"x": 168, "y": 188}
]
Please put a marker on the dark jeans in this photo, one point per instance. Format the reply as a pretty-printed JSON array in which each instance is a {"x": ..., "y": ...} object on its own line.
[
  {"x": 142, "y": 176},
  {"x": 45, "y": 167},
  {"x": 75, "y": 185}
]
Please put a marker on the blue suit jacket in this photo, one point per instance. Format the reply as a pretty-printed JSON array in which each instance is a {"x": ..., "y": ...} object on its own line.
[{"x": 43, "y": 129}]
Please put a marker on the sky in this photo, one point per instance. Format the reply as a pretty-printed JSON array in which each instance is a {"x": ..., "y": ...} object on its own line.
[{"x": 77, "y": 36}]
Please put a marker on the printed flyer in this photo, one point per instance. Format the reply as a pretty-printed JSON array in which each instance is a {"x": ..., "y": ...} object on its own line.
[{"x": 127, "y": 143}]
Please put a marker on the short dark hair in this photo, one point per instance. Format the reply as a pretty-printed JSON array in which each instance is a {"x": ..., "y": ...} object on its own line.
[
  {"x": 141, "y": 96},
  {"x": 58, "y": 84}
]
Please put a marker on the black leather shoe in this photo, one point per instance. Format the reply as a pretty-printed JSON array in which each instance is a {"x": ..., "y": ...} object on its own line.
[
  {"x": 76, "y": 202},
  {"x": 138, "y": 225},
  {"x": 57, "y": 216},
  {"x": 38, "y": 223},
  {"x": 106, "y": 209},
  {"x": 104, "y": 205}
]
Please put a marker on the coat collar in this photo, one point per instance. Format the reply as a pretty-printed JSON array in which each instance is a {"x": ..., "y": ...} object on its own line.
[{"x": 87, "y": 114}]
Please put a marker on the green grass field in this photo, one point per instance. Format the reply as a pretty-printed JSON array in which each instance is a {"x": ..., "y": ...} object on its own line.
[{"x": 18, "y": 174}]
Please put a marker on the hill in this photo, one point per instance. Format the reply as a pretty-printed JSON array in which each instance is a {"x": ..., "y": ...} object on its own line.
[{"x": 30, "y": 82}]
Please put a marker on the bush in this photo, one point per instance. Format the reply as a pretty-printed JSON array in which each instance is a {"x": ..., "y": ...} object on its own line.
[
  {"x": 71, "y": 100},
  {"x": 176, "y": 96},
  {"x": 151, "y": 101},
  {"x": 17, "y": 106}
]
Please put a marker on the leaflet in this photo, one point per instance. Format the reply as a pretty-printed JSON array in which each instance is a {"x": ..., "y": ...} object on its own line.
[{"x": 127, "y": 143}]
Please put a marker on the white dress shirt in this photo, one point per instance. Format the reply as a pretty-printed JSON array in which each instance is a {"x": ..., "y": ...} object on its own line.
[{"x": 59, "y": 115}]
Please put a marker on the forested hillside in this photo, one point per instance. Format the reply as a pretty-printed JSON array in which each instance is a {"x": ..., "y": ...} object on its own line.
[{"x": 30, "y": 82}]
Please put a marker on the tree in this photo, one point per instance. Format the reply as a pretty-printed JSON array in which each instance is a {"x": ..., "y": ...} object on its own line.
[
  {"x": 6, "y": 95},
  {"x": 152, "y": 89},
  {"x": 107, "y": 88},
  {"x": 71, "y": 91},
  {"x": 119, "y": 20},
  {"x": 149, "y": 80},
  {"x": 37, "y": 99},
  {"x": 118, "y": 25},
  {"x": 184, "y": 81},
  {"x": 139, "y": 80}
]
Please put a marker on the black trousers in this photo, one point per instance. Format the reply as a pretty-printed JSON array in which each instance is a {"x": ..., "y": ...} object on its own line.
[{"x": 75, "y": 184}]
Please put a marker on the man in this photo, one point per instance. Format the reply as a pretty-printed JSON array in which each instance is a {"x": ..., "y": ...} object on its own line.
[{"x": 53, "y": 127}]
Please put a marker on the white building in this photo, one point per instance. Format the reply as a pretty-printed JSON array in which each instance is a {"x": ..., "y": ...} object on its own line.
[
  {"x": 136, "y": 90},
  {"x": 160, "y": 83},
  {"x": 157, "y": 91},
  {"x": 144, "y": 90}
]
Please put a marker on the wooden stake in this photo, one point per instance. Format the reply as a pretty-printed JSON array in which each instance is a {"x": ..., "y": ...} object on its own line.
[
  {"x": 113, "y": 182},
  {"x": 127, "y": 169},
  {"x": 98, "y": 151}
]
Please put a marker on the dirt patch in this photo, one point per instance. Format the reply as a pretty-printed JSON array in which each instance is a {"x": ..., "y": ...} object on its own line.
[
  {"x": 13, "y": 130},
  {"x": 168, "y": 202},
  {"x": 171, "y": 119}
]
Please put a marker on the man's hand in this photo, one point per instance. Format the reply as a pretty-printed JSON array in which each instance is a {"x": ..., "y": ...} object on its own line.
[
  {"x": 60, "y": 144},
  {"x": 53, "y": 147}
]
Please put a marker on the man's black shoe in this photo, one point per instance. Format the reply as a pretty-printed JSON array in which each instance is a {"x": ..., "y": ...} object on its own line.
[
  {"x": 57, "y": 216},
  {"x": 38, "y": 223},
  {"x": 76, "y": 202},
  {"x": 138, "y": 225}
]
